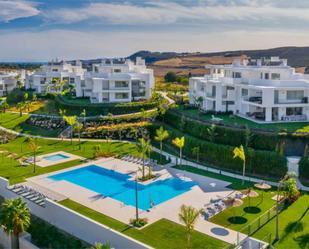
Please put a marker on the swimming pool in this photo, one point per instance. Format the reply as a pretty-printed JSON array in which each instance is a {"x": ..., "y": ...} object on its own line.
[
  {"x": 118, "y": 186},
  {"x": 55, "y": 157}
]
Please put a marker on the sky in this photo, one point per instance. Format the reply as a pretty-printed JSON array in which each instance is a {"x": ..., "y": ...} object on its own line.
[{"x": 40, "y": 30}]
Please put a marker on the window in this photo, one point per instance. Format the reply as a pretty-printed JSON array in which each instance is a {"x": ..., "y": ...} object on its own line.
[
  {"x": 293, "y": 95},
  {"x": 1, "y": 87},
  {"x": 266, "y": 76},
  {"x": 121, "y": 84},
  {"x": 72, "y": 80},
  {"x": 294, "y": 111},
  {"x": 121, "y": 95},
  {"x": 55, "y": 70},
  {"x": 117, "y": 70},
  {"x": 236, "y": 75},
  {"x": 244, "y": 92},
  {"x": 275, "y": 76},
  {"x": 43, "y": 81}
]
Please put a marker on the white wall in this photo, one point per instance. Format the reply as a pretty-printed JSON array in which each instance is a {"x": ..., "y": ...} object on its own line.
[{"x": 74, "y": 223}]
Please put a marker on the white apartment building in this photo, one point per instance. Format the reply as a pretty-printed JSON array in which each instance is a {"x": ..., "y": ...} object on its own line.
[
  {"x": 266, "y": 90},
  {"x": 43, "y": 79},
  {"x": 7, "y": 83},
  {"x": 117, "y": 80}
]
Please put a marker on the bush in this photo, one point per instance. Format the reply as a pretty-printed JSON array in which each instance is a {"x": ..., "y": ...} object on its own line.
[
  {"x": 170, "y": 77},
  {"x": 17, "y": 95},
  {"x": 223, "y": 135},
  {"x": 264, "y": 163},
  {"x": 304, "y": 168},
  {"x": 75, "y": 108}
]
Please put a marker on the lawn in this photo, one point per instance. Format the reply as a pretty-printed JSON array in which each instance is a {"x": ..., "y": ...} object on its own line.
[
  {"x": 238, "y": 121},
  {"x": 162, "y": 234},
  {"x": 14, "y": 122},
  {"x": 293, "y": 226},
  {"x": 10, "y": 168}
]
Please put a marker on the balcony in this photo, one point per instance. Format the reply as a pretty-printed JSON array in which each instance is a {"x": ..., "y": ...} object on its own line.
[
  {"x": 253, "y": 99},
  {"x": 292, "y": 101}
]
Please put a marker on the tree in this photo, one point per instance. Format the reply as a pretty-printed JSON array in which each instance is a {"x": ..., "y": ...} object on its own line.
[
  {"x": 84, "y": 114},
  {"x": 196, "y": 151},
  {"x": 14, "y": 218},
  {"x": 4, "y": 106},
  {"x": 179, "y": 143},
  {"x": 34, "y": 147},
  {"x": 199, "y": 101},
  {"x": 100, "y": 246},
  {"x": 20, "y": 106},
  {"x": 78, "y": 127},
  {"x": 211, "y": 132},
  {"x": 161, "y": 135},
  {"x": 240, "y": 153},
  {"x": 248, "y": 137},
  {"x": 170, "y": 77},
  {"x": 289, "y": 186},
  {"x": 143, "y": 148},
  {"x": 19, "y": 82},
  {"x": 71, "y": 121},
  {"x": 188, "y": 216}
]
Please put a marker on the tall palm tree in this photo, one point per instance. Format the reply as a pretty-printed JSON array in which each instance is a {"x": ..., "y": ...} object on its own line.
[
  {"x": 240, "y": 153},
  {"x": 78, "y": 127},
  {"x": 14, "y": 218},
  {"x": 34, "y": 147},
  {"x": 4, "y": 106},
  {"x": 179, "y": 143},
  {"x": 143, "y": 148},
  {"x": 188, "y": 216},
  {"x": 71, "y": 121},
  {"x": 196, "y": 151},
  {"x": 20, "y": 106},
  {"x": 84, "y": 114},
  {"x": 161, "y": 135}
]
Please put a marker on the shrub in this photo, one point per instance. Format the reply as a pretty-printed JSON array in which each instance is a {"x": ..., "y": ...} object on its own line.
[
  {"x": 170, "y": 77},
  {"x": 139, "y": 222},
  {"x": 224, "y": 135},
  {"x": 264, "y": 163},
  {"x": 17, "y": 95},
  {"x": 304, "y": 168}
]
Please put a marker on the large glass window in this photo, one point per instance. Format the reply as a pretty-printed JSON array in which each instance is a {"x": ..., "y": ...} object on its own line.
[
  {"x": 294, "y": 95},
  {"x": 121, "y": 95},
  {"x": 275, "y": 76},
  {"x": 244, "y": 92},
  {"x": 294, "y": 111},
  {"x": 236, "y": 75},
  {"x": 121, "y": 84}
]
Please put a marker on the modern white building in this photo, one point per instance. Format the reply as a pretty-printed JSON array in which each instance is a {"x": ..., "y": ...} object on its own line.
[
  {"x": 7, "y": 83},
  {"x": 43, "y": 80},
  {"x": 266, "y": 90},
  {"x": 117, "y": 80}
]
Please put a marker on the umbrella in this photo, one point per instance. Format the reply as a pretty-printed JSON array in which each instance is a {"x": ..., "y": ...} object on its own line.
[
  {"x": 233, "y": 202},
  {"x": 262, "y": 186}
]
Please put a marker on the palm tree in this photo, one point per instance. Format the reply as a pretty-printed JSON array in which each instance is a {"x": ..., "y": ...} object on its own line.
[
  {"x": 188, "y": 216},
  {"x": 240, "y": 153},
  {"x": 71, "y": 121},
  {"x": 100, "y": 246},
  {"x": 196, "y": 151},
  {"x": 179, "y": 143},
  {"x": 161, "y": 135},
  {"x": 78, "y": 127},
  {"x": 143, "y": 148},
  {"x": 4, "y": 106},
  {"x": 211, "y": 132},
  {"x": 84, "y": 114},
  {"x": 14, "y": 218},
  {"x": 34, "y": 147},
  {"x": 20, "y": 106}
]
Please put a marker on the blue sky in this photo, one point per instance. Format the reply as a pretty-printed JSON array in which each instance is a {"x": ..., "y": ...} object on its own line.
[{"x": 68, "y": 29}]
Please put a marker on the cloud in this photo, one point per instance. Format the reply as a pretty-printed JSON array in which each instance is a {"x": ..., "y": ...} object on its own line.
[
  {"x": 167, "y": 12},
  {"x": 14, "y": 9},
  {"x": 67, "y": 44}
]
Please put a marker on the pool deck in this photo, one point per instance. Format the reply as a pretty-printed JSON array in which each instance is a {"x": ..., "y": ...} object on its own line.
[
  {"x": 42, "y": 162},
  {"x": 200, "y": 195}
]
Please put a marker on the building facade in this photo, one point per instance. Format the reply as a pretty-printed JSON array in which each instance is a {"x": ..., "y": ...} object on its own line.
[
  {"x": 49, "y": 77},
  {"x": 8, "y": 82},
  {"x": 117, "y": 80},
  {"x": 266, "y": 90}
]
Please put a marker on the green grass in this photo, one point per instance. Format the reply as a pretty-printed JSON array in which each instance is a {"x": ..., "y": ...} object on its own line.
[
  {"x": 162, "y": 234},
  {"x": 293, "y": 226},
  {"x": 238, "y": 121},
  {"x": 14, "y": 122},
  {"x": 10, "y": 168}
]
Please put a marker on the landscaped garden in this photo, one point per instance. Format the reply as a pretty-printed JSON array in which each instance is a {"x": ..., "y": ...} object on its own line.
[
  {"x": 233, "y": 120},
  {"x": 162, "y": 234}
]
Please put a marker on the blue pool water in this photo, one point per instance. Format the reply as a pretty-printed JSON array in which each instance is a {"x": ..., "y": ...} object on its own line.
[
  {"x": 118, "y": 186},
  {"x": 55, "y": 157}
]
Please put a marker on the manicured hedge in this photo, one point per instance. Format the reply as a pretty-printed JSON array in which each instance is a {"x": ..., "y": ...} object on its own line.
[
  {"x": 304, "y": 168},
  {"x": 224, "y": 135},
  {"x": 103, "y": 109},
  {"x": 263, "y": 163}
]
